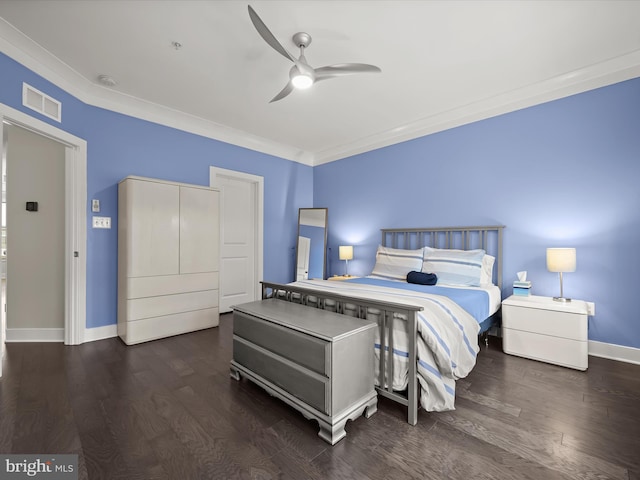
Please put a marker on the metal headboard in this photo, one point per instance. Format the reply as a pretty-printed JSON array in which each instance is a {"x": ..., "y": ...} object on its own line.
[{"x": 488, "y": 238}]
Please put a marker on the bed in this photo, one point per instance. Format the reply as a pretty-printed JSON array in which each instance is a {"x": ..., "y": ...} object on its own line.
[{"x": 428, "y": 335}]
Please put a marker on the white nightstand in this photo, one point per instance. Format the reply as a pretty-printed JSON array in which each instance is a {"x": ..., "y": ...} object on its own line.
[
  {"x": 543, "y": 329},
  {"x": 341, "y": 277}
]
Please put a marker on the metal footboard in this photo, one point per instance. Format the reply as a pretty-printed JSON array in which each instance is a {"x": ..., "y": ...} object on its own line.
[{"x": 385, "y": 314}]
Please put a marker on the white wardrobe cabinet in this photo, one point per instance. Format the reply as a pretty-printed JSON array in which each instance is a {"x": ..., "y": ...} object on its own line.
[{"x": 168, "y": 248}]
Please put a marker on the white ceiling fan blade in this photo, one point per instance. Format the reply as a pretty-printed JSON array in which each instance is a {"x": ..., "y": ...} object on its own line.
[
  {"x": 268, "y": 37},
  {"x": 342, "y": 69},
  {"x": 283, "y": 93}
]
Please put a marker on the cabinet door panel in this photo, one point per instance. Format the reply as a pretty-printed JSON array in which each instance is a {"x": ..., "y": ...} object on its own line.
[
  {"x": 153, "y": 234},
  {"x": 199, "y": 230}
]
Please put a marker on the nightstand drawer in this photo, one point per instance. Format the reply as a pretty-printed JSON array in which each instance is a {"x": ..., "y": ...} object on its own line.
[
  {"x": 548, "y": 322},
  {"x": 545, "y": 348}
]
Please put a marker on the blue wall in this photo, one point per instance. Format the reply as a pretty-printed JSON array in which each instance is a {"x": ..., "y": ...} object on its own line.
[
  {"x": 565, "y": 173},
  {"x": 119, "y": 145}
]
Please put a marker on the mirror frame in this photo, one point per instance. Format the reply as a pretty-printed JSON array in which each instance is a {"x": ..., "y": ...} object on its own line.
[{"x": 301, "y": 221}]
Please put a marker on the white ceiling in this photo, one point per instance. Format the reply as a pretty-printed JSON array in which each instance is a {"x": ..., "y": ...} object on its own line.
[{"x": 444, "y": 63}]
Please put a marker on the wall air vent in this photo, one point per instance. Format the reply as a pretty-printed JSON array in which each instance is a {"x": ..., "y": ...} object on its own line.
[{"x": 41, "y": 103}]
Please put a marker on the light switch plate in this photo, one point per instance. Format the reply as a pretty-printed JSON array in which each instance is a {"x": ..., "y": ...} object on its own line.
[
  {"x": 95, "y": 205},
  {"x": 101, "y": 222}
]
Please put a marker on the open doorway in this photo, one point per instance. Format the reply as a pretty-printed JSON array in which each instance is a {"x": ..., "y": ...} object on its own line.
[
  {"x": 75, "y": 218},
  {"x": 34, "y": 221}
]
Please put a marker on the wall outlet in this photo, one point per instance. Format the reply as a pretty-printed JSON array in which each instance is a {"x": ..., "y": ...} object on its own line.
[
  {"x": 101, "y": 222},
  {"x": 591, "y": 309}
]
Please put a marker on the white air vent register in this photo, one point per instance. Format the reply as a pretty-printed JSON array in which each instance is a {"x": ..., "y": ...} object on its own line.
[{"x": 41, "y": 103}]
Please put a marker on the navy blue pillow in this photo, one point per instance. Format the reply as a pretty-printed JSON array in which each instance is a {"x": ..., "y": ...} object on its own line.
[{"x": 422, "y": 278}]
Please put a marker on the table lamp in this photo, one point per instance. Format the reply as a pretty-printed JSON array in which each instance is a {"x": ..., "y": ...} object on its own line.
[
  {"x": 561, "y": 260},
  {"x": 346, "y": 253}
]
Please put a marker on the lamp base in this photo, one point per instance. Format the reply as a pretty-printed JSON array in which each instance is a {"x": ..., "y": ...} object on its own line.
[{"x": 561, "y": 299}]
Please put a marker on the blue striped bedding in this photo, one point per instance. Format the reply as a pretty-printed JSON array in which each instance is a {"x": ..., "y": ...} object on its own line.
[
  {"x": 447, "y": 342},
  {"x": 476, "y": 302}
]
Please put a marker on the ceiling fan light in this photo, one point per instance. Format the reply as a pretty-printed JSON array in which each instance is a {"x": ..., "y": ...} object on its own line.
[{"x": 301, "y": 81}]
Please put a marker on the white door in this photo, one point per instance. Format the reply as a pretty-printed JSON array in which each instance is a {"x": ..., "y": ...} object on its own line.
[
  {"x": 240, "y": 236},
  {"x": 304, "y": 245}
]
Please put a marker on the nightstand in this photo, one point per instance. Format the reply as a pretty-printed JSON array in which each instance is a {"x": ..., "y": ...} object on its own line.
[
  {"x": 543, "y": 329},
  {"x": 342, "y": 277}
]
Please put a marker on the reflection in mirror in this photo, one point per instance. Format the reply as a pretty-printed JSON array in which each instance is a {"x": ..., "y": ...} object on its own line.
[{"x": 311, "y": 249}]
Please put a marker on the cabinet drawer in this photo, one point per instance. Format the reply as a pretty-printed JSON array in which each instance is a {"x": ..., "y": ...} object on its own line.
[
  {"x": 309, "y": 387},
  {"x": 547, "y": 322},
  {"x": 141, "y": 287},
  {"x": 169, "y": 304},
  {"x": 561, "y": 351},
  {"x": 302, "y": 349},
  {"x": 159, "y": 327}
]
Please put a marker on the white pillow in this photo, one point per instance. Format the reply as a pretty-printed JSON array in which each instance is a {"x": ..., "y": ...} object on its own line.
[
  {"x": 454, "y": 267},
  {"x": 486, "y": 276},
  {"x": 395, "y": 263}
]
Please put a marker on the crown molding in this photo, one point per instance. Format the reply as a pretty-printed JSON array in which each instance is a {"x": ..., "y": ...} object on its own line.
[
  {"x": 619, "y": 69},
  {"x": 33, "y": 56}
]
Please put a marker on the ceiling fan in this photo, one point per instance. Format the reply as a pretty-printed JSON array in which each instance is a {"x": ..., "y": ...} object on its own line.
[{"x": 302, "y": 75}]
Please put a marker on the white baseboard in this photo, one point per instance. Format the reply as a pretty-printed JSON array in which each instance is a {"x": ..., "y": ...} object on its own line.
[
  {"x": 15, "y": 335},
  {"x": 614, "y": 352},
  {"x": 100, "y": 333}
]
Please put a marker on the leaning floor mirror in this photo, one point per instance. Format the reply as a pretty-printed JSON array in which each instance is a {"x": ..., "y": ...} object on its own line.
[{"x": 311, "y": 248}]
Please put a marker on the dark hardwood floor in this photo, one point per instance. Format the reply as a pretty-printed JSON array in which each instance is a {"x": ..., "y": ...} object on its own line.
[{"x": 169, "y": 410}]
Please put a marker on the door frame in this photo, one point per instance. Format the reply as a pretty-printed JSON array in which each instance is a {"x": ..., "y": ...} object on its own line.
[
  {"x": 258, "y": 183},
  {"x": 75, "y": 218}
]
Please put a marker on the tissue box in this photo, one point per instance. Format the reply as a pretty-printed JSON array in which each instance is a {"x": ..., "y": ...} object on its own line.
[
  {"x": 522, "y": 288},
  {"x": 522, "y": 291}
]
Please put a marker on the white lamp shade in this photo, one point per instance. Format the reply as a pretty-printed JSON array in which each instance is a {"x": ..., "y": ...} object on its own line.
[
  {"x": 346, "y": 252},
  {"x": 561, "y": 259}
]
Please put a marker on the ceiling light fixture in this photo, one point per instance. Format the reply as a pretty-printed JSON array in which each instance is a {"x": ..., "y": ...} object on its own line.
[
  {"x": 302, "y": 75},
  {"x": 107, "y": 80},
  {"x": 299, "y": 80}
]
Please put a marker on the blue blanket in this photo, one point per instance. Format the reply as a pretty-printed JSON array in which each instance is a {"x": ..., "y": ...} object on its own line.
[{"x": 476, "y": 302}]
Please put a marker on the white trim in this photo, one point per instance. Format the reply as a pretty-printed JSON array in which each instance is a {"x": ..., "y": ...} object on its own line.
[
  {"x": 100, "y": 333},
  {"x": 619, "y": 69},
  {"x": 259, "y": 182},
  {"x": 16, "y": 335},
  {"x": 25, "y": 51},
  {"x": 75, "y": 215},
  {"x": 614, "y": 352}
]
